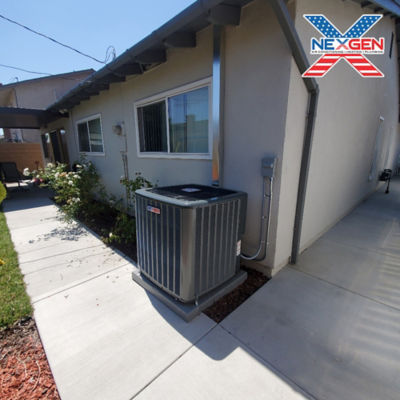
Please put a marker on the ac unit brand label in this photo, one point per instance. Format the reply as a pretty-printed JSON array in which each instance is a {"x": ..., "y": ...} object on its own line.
[
  {"x": 350, "y": 46},
  {"x": 153, "y": 210}
]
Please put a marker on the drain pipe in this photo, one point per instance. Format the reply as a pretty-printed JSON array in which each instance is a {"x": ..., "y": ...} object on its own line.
[
  {"x": 217, "y": 101},
  {"x": 261, "y": 252},
  {"x": 299, "y": 55},
  {"x": 303, "y": 178}
]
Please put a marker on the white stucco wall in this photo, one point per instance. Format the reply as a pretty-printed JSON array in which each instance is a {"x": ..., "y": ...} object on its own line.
[{"x": 347, "y": 123}]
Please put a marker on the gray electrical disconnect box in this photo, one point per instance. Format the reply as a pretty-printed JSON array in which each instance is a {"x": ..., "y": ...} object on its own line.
[
  {"x": 268, "y": 166},
  {"x": 188, "y": 237}
]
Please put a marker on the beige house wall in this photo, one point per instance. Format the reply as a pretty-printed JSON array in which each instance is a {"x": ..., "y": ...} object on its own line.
[
  {"x": 291, "y": 160},
  {"x": 38, "y": 94},
  {"x": 116, "y": 106},
  {"x": 256, "y": 87},
  {"x": 348, "y": 119},
  {"x": 257, "y": 68}
]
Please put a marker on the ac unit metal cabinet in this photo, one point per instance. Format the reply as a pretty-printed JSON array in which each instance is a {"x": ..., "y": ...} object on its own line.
[{"x": 188, "y": 237}]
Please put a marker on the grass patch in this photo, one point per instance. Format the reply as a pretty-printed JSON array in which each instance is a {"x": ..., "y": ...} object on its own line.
[{"x": 14, "y": 302}]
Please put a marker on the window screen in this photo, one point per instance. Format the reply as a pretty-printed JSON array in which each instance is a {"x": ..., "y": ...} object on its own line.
[
  {"x": 176, "y": 124},
  {"x": 152, "y": 127},
  {"x": 188, "y": 122}
]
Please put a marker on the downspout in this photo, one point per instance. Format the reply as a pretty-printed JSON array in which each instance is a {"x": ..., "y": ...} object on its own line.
[
  {"x": 303, "y": 178},
  {"x": 124, "y": 156},
  {"x": 299, "y": 55},
  {"x": 217, "y": 101}
]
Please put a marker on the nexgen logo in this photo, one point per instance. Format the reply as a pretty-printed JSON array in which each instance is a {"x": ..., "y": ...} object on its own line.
[
  {"x": 350, "y": 46},
  {"x": 366, "y": 45}
]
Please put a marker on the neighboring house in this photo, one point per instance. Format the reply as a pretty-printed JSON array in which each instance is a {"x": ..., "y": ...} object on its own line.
[
  {"x": 36, "y": 94},
  {"x": 209, "y": 94}
]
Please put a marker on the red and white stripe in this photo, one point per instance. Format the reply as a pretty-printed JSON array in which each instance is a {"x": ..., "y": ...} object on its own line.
[
  {"x": 322, "y": 66},
  {"x": 325, "y": 63},
  {"x": 363, "y": 66}
]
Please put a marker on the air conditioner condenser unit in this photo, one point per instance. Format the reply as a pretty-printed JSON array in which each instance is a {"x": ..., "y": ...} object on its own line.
[{"x": 189, "y": 237}]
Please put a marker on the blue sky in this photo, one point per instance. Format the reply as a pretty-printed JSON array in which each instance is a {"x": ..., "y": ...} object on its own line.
[{"x": 89, "y": 26}]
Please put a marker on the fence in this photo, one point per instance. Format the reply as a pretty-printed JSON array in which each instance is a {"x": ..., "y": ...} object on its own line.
[{"x": 23, "y": 154}]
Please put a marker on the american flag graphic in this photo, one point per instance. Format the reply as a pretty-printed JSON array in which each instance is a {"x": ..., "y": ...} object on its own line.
[
  {"x": 356, "y": 59},
  {"x": 153, "y": 210},
  {"x": 358, "y": 29}
]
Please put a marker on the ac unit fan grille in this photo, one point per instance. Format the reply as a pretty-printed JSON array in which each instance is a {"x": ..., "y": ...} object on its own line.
[
  {"x": 159, "y": 250},
  {"x": 215, "y": 249}
]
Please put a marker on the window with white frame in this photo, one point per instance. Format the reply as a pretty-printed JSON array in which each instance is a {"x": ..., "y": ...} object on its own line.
[
  {"x": 176, "y": 123},
  {"x": 90, "y": 136}
]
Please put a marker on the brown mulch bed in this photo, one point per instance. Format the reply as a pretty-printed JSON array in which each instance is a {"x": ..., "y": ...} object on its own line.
[
  {"x": 225, "y": 305},
  {"x": 24, "y": 371},
  {"x": 103, "y": 223}
]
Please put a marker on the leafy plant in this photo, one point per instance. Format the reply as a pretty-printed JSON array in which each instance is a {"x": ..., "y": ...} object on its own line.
[
  {"x": 132, "y": 185},
  {"x": 124, "y": 229},
  {"x": 74, "y": 190}
]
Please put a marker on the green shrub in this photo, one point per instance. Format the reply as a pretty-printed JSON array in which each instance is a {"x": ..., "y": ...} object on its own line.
[
  {"x": 3, "y": 192},
  {"x": 132, "y": 185},
  {"x": 74, "y": 190},
  {"x": 124, "y": 229}
]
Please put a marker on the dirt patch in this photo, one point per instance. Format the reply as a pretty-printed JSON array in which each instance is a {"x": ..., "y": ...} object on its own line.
[
  {"x": 225, "y": 305},
  {"x": 24, "y": 371},
  {"x": 103, "y": 226}
]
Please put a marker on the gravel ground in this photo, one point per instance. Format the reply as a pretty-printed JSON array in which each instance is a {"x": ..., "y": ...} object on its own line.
[{"x": 24, "y": 371}]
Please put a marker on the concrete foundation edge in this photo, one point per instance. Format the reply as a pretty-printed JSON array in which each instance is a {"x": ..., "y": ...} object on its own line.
[{"x": 189, "y": 311}]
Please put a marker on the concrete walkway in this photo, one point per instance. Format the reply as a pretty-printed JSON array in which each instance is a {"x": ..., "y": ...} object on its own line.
[{"x": 327, "y": 329}]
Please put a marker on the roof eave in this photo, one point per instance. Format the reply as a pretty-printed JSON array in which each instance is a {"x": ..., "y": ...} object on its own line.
[
  {"x": 199, "y": 9},
  {"x": 388, "y": 6},
  {"x": 26, "y": 118}
]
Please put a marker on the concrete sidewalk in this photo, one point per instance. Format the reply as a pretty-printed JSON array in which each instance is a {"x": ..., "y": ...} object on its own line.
[
  {"x": 330, "y": 326},
  {"x": 327, "y": 329},
  {"x": 104, "y": 336}
]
